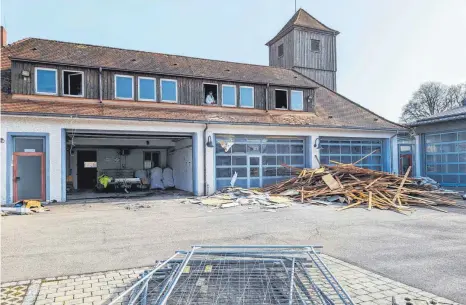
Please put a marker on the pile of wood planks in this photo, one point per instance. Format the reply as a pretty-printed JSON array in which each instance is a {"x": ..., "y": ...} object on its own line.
[{"x": 355, "y": 186}]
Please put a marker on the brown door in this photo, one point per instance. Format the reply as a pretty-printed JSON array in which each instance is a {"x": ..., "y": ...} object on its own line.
[
  {"x": 28, "y": 176},
  {"x": 87, "y": 169},
  {"x": 406, "y": 160}
]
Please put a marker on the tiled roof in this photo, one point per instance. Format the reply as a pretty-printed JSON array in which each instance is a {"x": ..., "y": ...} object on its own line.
[
  {"x": 349, "y": 117},
  {"x": 42, "y": 50},
  {"x": 448, "y": 115},
  {"x": 331, "y": 109},
  {"x": 303, "y": 19}
]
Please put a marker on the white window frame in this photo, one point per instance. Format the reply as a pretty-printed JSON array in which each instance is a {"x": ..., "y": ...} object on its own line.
[
  {"x": 35, "y": 81},
  {"x": 161, "y": 90},
  {"x": 291, "y": 100},
  {"x": 236, "y": 100},
  {"x": 132, "y": 87},
  {"x": 63, "y": 83},
  {"x": 287, "y": 99},
  {"x": 253, "y": 101},
  {"x": 139, "y": 89},
  {"x": 213, "y": 84}
]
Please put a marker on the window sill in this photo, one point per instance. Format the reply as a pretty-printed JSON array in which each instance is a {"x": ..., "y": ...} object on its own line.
[
  {"x": 124, "y": 98},
  {"x": 145, "y": 100},
  {"x": 46, "y": 93},
  {"x": 210, "y": 105},
  {"x": 70, "y": 95},
  {"x": 171, "y": 102},
  {"x": 282, "y": 109}
]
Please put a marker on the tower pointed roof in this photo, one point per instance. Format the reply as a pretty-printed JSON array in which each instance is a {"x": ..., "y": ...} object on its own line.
[{"x": 304, "y": 20}]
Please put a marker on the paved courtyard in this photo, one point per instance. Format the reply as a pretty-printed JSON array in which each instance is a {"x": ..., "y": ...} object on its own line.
[
  {"x": 364, "y": 287},
  {"x": 423, "y": 251}
]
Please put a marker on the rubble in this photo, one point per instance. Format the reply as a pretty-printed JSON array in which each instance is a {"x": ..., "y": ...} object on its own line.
[
  {"x": 236, "y": 196},
  {"x": 352, "y": 186}
]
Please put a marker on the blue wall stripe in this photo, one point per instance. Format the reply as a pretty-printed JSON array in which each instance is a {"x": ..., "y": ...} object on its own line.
[
  {"x": 195, "y": 159},
  {"x": 63, "y": 165}
]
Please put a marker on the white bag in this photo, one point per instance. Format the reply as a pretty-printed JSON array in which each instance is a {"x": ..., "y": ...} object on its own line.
[
  {"x": 168, "y": 178},
  {"x": 156, "y": 178}
]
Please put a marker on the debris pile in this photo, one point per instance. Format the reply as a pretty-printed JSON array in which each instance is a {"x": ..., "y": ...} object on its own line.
[
  {"x": 236, "y": 196},
  {"x": 353, "y": 186}
]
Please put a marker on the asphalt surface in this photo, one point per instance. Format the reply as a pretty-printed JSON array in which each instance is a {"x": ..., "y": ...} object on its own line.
[{"x": 426, "y": 250}]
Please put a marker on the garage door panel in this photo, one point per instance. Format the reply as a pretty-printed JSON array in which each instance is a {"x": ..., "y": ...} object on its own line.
[
  {"x": 445, "y": 157},
  {"x": 351, "y": 150},
  {"x": 257, "y": 160}
]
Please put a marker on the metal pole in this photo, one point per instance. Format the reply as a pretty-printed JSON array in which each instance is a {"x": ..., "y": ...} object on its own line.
[
  {"x": 177, "y": 277},
  {"x": 143, "y": 279},
  {"x": 290, "y": 301}
]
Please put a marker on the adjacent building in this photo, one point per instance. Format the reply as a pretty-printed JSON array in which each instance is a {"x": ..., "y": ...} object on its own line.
[
  {"x": 441, "y": 142},
  {"x": 72, "y": 112}
]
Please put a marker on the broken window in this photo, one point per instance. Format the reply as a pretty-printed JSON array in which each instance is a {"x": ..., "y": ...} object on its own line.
[
  {"x": 315, "y": 45},
  {"x": 210, "y": 94},
  {"x": 151, "y": 159},
  {"x": 281, "y": 99},
  {"x": 280, "y": 50},
  {"x": 73, "y": 83}
]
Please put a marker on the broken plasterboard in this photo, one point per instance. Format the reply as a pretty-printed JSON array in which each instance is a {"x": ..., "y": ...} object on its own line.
[{"x": 331, "y": 182}]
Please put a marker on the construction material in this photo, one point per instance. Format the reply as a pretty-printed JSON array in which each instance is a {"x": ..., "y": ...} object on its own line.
[
  {"x": 235, "y": 196},
  {"x": 246, "y": 275},
  {"x": 363, "y": 187}
]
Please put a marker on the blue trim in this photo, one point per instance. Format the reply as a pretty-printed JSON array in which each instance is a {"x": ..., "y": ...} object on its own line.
[
  {"x": 215, "y": 161},
  {"x": 308, "y": 152},
  {"x": 195, "y": 159},
  {"x": 63, "y": 165},
  {"x": 9, "y": 159},
  {"x": 387, "y": 155}
]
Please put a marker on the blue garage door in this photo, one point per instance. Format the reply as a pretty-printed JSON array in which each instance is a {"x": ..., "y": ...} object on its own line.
[
  {"x": 351, "y": 150},
  {"x": 445, "y": 157},
  {"x": 256, "y": 160}
]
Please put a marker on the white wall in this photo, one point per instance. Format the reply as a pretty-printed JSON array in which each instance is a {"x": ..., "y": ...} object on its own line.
[
  {"x": 53, "y": 126},
  {"x": 181, "y": 161}
]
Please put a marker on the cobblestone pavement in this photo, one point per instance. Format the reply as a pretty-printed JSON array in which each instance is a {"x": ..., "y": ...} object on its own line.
[
  {"x": 363, "y": 286},
  {"x": 12, "y": 295}
]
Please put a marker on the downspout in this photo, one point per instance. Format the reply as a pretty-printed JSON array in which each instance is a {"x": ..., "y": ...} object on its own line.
[
  {"x": 100, "y": 85},
  {"x": 205, "y": 158},
  {"x": 267, "y": 98}
]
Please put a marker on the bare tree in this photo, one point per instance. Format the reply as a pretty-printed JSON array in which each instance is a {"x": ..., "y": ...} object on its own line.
[
  {"x": 429, "y": 99},
  {"x": 456, "y": 94}
]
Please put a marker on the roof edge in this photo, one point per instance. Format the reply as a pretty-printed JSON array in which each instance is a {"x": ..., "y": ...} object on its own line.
[
  {"x": 37, "y": 114},
  {"x": 356, "y": 104}
]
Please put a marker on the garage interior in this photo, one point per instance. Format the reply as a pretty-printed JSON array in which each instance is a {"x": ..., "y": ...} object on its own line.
[{"x": 127, "y": 164}]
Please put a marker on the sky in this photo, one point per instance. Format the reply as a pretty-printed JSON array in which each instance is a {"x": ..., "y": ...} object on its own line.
[{"x": 385, "y": 49}]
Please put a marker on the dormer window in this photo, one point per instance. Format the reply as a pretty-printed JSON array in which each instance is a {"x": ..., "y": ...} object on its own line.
[
  {"x": 46, "y": 81},
  {"x": 281, "y": 99},
  {"x": 73, "y": 83},
  {"x": 315, "y": 45},
  {"x": 124, "y": 87},
  {"x": 280, "y": 50}
]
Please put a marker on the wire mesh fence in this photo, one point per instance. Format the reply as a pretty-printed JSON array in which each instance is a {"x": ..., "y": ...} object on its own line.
[{"x": 239, "y": 275}]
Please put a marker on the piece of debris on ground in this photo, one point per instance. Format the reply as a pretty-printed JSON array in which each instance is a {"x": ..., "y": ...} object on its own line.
[
  {"x": 236, "y": 196},
  {"x": 24, "y": 207},
  {"x": 354, "y": 186}
]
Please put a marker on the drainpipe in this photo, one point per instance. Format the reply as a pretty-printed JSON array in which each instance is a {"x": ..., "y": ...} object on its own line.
[
  {"x": 267, "y": 98},
  {"x": 205, "y": 158},
  {"x": 100, "y": 85}
]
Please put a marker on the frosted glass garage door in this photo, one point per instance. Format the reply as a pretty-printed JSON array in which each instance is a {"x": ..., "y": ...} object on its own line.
[
  {"x": 256, "y": 160},
  {"x": 351, "y": 150},
  {"x": 445, "y": 158}
]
